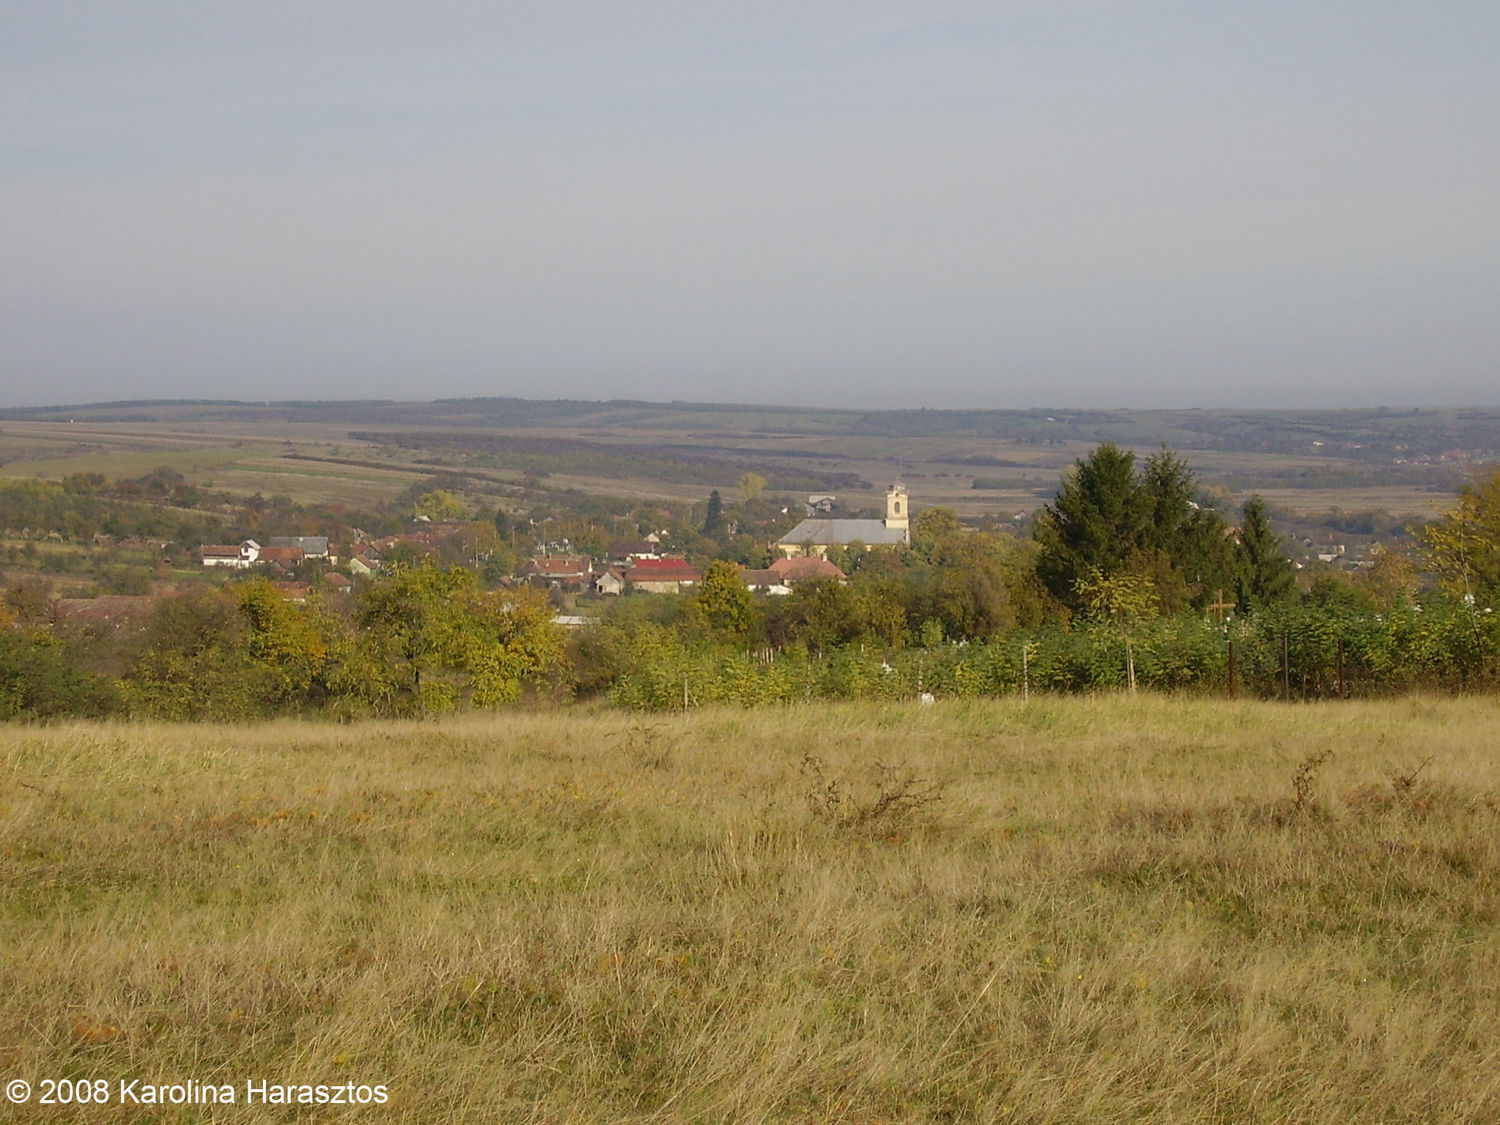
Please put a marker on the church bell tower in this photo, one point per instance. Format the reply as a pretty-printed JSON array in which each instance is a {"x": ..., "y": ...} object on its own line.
[{"x": 898, "y": 510}]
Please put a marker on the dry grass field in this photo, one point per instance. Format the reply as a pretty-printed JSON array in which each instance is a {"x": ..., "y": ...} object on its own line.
[{"x": 1105, "y": 910}]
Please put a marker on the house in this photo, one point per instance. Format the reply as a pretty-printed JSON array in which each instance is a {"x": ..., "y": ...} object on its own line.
[
  {"x": 295, "y": 592},
  {"x": 281, "y": 557},
  {"x": 779, "y": 578},
  {"x": 311, "y": 546},
  {"x": 624, "y": 552},
  {"x": 814, "y": 536},
  {"x": 566, "y": 571},
  {"x": 811, "y": 569},
  {"x": 820, "y": 505},
  {"x": 611, "y": 581},
  {"x": 338, "y": 583},
  {"x": 764, "y": 582},
  {"x": 237, "y": 558},
  {"x": 662, "y": 576},
  {"x": 365, "y": 562}
]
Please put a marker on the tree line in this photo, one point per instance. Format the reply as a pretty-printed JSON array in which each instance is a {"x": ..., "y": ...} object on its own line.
[{"x": 1131, "y": 579}]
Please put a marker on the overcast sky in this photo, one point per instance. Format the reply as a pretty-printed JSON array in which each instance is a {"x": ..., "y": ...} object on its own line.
[{"x": 948, "y": 204}]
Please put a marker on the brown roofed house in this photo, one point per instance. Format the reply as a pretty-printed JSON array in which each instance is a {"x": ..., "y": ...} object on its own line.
[
  {"x": 567, "y": 571},
  {"x": 286, "y": 557},
  {"x": 809, "y": 568},
  {"x": 663, "y": 576},
  {"x": 609, "y": 581}
]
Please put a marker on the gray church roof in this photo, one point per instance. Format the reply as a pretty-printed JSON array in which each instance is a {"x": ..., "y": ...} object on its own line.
[{"x": 843, "y": 532}]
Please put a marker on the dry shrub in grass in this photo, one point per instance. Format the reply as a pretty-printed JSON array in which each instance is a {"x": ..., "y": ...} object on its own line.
[
  {"x": 885, "y": 803},
  {"x": 1304, "y": 780},
  {"x": 646, "y": 747}
]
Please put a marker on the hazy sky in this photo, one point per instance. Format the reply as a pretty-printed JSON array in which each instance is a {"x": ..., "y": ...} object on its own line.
[{"x": 947, "y": 204}]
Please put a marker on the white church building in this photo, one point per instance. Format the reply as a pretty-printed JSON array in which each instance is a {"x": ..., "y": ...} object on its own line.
[{"x": 815, "y": 536}]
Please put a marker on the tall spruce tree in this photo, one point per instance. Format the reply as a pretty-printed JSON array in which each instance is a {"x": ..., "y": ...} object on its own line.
[
  {"x": 1110, "y": 519},
  {"x": 1094, "y": 525},
  {"x": 1265, "y": 574},
  {"x": 1191, "y": 538},
  {"x": 713, "y": 522}
]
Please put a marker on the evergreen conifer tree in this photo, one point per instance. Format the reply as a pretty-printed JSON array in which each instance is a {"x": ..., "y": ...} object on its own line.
[
  {"x": 1094, "y": 525},
  {"x": 713, "y": 523},
  {"x": 1110, "y": 519},
  {"x": 1265, "y": 575}
]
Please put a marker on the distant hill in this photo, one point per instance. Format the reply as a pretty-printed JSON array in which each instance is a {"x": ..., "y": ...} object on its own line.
[{"x": 1368, "y": 435}]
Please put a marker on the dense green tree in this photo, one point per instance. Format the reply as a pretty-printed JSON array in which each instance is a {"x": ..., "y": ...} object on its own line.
[
  {"x": 1190, "y": 537},
  {"x": 39, "y": 681},
  {"x": 968, "y": 585},
  {"x": 820, "y": 615},
  {"x": 1110, "y": 519},
  {"x": 933, "y": 527},
  {"x": 1095, "y": 524},
  {"x": 429, "y": 637},
  {"x": 1265, "y": 575},
  {"x": 1391, "y": 580},
  {"x": 713, "y": 522},
  {"x": 516, "y": 643},
  {"x": 195, "y": 663}
]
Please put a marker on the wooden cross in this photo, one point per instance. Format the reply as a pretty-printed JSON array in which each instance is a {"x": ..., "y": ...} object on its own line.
[{"x": 1220, "y": 606}]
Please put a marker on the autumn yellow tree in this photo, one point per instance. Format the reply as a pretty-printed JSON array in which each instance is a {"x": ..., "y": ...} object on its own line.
[
  {"x": 440, "y": 504},
  {"x": 1463, "y": 548},
  {"x": 724, "y": 603},
  {"x": 293, "y": 646}
]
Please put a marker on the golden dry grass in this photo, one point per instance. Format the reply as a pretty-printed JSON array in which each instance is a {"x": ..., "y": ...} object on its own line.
[{"x": 1116, "y": 912}]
